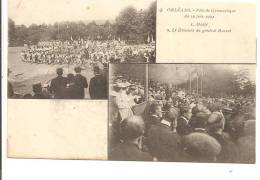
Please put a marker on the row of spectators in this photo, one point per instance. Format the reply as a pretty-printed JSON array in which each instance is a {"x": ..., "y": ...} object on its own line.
[{"x": 185, "y": 128}]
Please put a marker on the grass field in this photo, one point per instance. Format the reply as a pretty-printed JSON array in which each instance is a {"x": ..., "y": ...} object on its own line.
[{"x": 23, "y": 75}]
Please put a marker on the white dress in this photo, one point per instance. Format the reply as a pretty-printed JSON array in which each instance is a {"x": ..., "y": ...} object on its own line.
[{"x": 124, "y": 105}]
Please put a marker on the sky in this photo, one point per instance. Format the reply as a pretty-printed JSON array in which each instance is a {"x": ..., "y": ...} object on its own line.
[
  {"x": 167, "y": 72},
  {"x": 49, "y": 11}
]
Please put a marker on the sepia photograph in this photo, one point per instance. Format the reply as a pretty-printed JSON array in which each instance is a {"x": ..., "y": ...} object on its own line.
[
  {"x": 190, "y": 113},
  {"x": 61, "y": 49}
]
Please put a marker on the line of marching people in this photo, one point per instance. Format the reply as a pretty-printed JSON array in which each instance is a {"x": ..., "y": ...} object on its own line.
[{"x": 195, "y": 132}]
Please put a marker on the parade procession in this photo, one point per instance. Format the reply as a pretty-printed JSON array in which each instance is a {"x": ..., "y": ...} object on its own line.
[{"x": 184, "y": 115}]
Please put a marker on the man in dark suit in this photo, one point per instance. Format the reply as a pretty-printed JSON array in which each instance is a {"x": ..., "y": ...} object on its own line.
[
  {"x": 215, "y": 127},
  {"x": 163, "y": 142},
  {"x": 98, "y": 85},
  {"x": 58, "y": 85},
  {"x": 183, "y": 125},
  {"x": 38, "y": 94},
  {"x": 10, "y": 87},
  {"x": 131, "y": 130},
  {"x": 154, "y": 117},
  {"x": 80, "y": 84}
]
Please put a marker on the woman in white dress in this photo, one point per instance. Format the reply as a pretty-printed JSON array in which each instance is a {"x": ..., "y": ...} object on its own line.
[{"x": 123, "y": 101}]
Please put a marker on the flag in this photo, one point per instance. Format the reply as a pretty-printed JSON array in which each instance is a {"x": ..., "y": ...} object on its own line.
[
  {"x": 152, "y": 39},
  {"x": 71, "y": 38},
  {"x": 139, "y": 109},
  {"x": 148, "y": 38}
]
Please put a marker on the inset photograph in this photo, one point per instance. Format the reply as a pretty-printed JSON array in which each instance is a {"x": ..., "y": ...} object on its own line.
[
  {"x": 191, "y": 113},
  {"x": 61, "y": 49}
]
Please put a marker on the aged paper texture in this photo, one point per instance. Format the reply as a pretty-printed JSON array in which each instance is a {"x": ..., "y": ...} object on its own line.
[
  {"x": 205, "y": 32},
  {"x": 66, "y": 129}
]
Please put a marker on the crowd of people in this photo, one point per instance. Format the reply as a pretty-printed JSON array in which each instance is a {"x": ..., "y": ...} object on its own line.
[
  {"x": 87, "y": 52},
  {"x": 180, "y": 127},
  {"x": 126, "y": 90},
  {"x": 70, "y": 87}
]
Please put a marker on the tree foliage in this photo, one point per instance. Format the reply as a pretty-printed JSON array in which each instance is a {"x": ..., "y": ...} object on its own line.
[
  {"x": 130, "y": 25},
  {"x": 220, "y": 82}
]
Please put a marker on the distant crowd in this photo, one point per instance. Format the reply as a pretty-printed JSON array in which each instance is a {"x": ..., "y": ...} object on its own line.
[
  {"x": 179, "y": 127},
  {"x": 87, "y": 52}
]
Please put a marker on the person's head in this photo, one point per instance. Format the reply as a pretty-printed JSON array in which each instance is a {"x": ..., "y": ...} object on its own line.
[
  {"x": 96, "y": 70},
  {"x": 215, "y": 123},
  {"x": 185, "y": 111},
  {"x": 70, "y": 77},
  {"x": 132, "y": 89},
  {"x": 200, "y": 147},
  {"x": 156, "y": 109},
  {"x": 171, "y": 116},
  {"x": 37, "y": 88},
  {"x": 195, "y": 110},
  {"x": 201, "y": 119},
  {"x": 9, "y": 71},
  {"x": 27, "y": 96},
  {"x": 227, "y": 112},
  {"x": 77, "y": 69},
  {"x": 132, "y": 128},
  {"x": 249, "y": 128},
  {"x": 215, "y": 107},
  {"x": 59, "y": 71}
]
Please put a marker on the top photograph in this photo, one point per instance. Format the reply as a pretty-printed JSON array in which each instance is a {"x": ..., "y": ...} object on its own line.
[{"x": 61, "y": 49}]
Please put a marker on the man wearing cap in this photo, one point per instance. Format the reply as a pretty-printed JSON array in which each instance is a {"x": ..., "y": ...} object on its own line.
[
  {"x": 98, "y": 85},
  {"x": 37, "y": 90},
  {"x": 163, "y": 140},
  {"x": 200, "y": 147},
  {"x": 215, "y": 127},
  {"x": 80, "y": 84},
  {"x": 132, "y": 129},
  {"x": 58, "y": 85},
  {"x": 246, "y": 143},
  {"x": 155, "y": 116}
]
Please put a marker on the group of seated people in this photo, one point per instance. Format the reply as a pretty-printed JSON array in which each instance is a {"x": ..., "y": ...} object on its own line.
[
  {"x": 190, "y": 130},
  {"x": 86, "y": 52},
  {"x": 70, "y": 87}
]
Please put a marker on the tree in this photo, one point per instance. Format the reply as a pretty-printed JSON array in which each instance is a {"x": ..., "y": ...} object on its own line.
[
  {"x": 127, "y": 23},
  {"x": 150, "y": 19},
  {"x": 11, "y": 32}
]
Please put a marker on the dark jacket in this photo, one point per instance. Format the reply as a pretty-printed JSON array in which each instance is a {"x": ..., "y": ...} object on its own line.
[
  {"x": 70, "y": 91},
  {"x": 40, "y": 96},
  {"x": 80, "y": 85},
  {"x": 163, "y": 143},
  {"x": 10, "y": 90},
  {"x": 128, "y": 152},
  {"x": 183, "y": 127},
  {"x": 229, "y": 150},
  {"x": 98, "y": 87},
  {"x": 58, "y": 86},
  {"x": 153, "y": 119}
]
